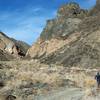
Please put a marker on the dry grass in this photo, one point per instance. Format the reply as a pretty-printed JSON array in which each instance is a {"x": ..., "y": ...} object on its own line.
[{"x": 24, "y": 79}]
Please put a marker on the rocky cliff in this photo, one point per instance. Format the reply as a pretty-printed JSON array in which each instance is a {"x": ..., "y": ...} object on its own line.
[
  {"x": 57, "y": 30},
  {"x": 10, "y": 48},
  {"x": 71, "y": 39}
]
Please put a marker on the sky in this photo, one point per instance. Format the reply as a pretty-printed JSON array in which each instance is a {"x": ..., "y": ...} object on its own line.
[{"x": 25, "y": 19}]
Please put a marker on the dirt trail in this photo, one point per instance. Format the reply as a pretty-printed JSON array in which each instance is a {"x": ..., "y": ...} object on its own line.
[
  {"x": 65, "y": 94},
  {"x": 68, "y": 94}
]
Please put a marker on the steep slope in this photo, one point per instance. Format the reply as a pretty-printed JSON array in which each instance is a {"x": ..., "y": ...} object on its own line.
[
  {"x": 10, "y": 48},
  {"x": 22, "y": 45},
  {"x": 80, "y": 32},
  {"x": 68, "y": 18},
  {"x": 85, "y": 51},
  {"x": 57, "y": 30}
]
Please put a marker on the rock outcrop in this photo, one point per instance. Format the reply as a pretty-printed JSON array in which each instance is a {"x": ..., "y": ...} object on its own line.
[
  {"x": 57, "y": 30},
  {"x": 22, "y": 45},
  {"x": 71, "y": 39},
  {"x": 10, "y": 48}
]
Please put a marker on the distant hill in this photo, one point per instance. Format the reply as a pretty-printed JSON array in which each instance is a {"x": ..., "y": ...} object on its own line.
[{"x": 11, "y": 48}]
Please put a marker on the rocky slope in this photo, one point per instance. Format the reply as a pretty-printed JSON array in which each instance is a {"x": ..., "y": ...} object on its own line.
[
  {"x": 71, "y": 39},
  {"x": 57, "y": 30},
  {"x": 22, "y": 45},
  {"x": 10, "y": 48}
]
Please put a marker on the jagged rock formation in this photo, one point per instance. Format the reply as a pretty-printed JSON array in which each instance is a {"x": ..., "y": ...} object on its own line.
[
  {"x": 22, "y": 45},
  {"x": 68, "y": 18},
  {"x": 10, "y": 48},
  {"x": 57, "y": 30},
  {"x": 71, "y": 39}
]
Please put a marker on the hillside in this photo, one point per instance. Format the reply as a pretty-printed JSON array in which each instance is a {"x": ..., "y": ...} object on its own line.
[
  {"x": 11, "y": 48},
  {"x": 71, "y": 39}
]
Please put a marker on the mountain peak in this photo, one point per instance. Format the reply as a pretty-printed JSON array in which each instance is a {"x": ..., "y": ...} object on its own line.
[
  {"x": 71, "y": 10},
  {"x": 71, "y": 39}
]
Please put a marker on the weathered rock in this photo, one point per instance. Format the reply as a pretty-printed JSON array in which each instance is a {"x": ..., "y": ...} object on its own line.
[
  {"x": 68, "y": 18},
  {"x": 10, "y": 48},
  {"x": 57, "y": 30},
  {"x": 71, "y": 10},
  {"x": 22, "y": 45},
  {"x": 60, "y": 28},
  {"x": 80, "y": 36}
]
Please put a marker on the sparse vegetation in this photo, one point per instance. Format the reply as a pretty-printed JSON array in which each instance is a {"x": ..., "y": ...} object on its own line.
[{"x": 24, "y": 79}]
